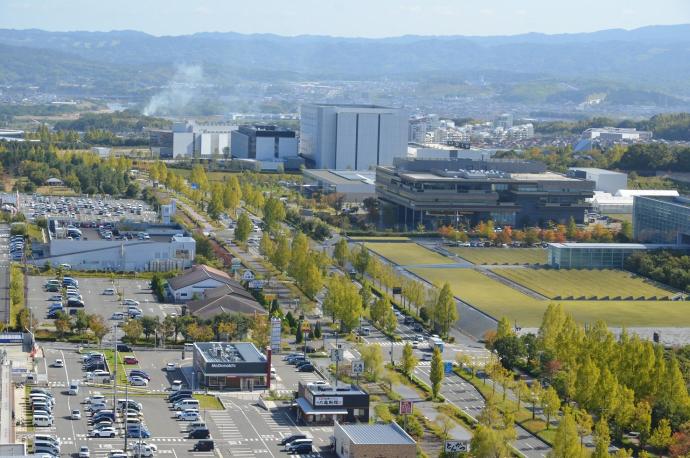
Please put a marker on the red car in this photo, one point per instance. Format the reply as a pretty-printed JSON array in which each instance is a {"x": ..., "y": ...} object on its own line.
[{"x": 131, "y": 360}]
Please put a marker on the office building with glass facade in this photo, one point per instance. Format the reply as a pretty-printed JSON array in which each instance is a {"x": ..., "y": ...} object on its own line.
[
  {"x": 661, "y": 219},
  {"x": 596, "y": 255}
]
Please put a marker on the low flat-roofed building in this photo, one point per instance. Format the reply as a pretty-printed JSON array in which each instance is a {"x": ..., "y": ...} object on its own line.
[
  {"x": 373, "y": 441},
  {"x": 604, "y": 180},
  {"x": 599, "y": 255},
  {"x": 354, "y": 185},
  {"x": 230, "y": 366},
  {"x": 622, "y": 201},
  {"x": 325, "y": 404}
]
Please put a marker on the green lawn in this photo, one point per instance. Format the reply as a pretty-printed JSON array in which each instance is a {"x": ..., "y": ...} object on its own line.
[
  {"x": 575, "y": 283},
  {"x": 379, "y": 238},
  {"x": 208, "y": 402},
  {"x": 407, "y": 254},
  {"x": 499, "y": 300},
  {"x": 502, "y": 255}
]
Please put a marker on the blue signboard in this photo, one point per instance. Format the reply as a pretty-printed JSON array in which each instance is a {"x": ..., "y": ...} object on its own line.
[{"x": 447, "y": 367}]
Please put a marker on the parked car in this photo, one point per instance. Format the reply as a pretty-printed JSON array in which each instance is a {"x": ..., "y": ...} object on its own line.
[
  {"x": 188, "y": 415},
  {"x": 204, "y": 445},
  {"x": 139, "y": 373},
  {"x": 107, "y": 431},
  {"x": 292, "y": 438},
  {"x": 124, "y": 348},
  {"x": 138, "y": 381},
  {"x": 138, "y": 431},
  {"x": 131, "y": 360},
  {"x": 84, "y": 452},
  {"x": 201, "y": 433},
  {"x": 306, "y": 368},
  {"x": 176, "y": 385},
  {"x": 144, "y": 450},
  {"x": 109, "y": 292}
]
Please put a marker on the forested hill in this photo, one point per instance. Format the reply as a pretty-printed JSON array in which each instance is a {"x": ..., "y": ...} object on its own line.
[{"x": 657, "y": 58}]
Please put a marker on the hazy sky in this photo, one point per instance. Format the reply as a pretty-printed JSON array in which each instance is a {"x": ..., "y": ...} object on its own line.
[{"x": 365, "y": 18}]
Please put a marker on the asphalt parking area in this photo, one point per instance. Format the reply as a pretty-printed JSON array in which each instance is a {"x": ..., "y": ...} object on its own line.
[{"x": 91, "y": 290}]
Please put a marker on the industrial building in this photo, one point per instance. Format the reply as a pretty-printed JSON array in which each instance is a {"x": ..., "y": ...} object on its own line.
[
  {"x": 661, "y": 219},
  {"x": 263, "y": 143},
  {"x": 192, "y": 140},
  {"x": 604, "y": 180},
  {"x": 622, "y": 201},
  {"x": 604, "y": 137},
  {"x": 373, "y": 441},
  {"x": 165, "y": 248},
  {"x": 448, "y": 150},
  {"x": 351, "y": 137},
  {"x": 453, "y": 191},
  {"x": 325, "y": 404},
  {"x": 355, "y": 186},
  {"x": 230, "y": 366}
]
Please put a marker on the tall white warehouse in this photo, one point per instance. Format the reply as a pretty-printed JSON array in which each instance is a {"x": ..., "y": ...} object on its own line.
[{"x": 352, "y": 137}]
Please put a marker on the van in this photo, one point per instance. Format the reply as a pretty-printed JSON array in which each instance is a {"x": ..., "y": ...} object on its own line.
[
  {"x": 50, "y": 442},
  {"x": 73, "y": 389},
  {"x": 204, "y": 445},
  {"x": 43, "y": 421},
  {"x": 187, "y": 404},
  {"x": 46, "y": 449},
  {"x": 47, "y": 438},
  {"x": 297, "y": 443}
]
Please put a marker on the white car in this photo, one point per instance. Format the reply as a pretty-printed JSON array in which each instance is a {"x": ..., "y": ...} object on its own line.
[
  {"x": 109, "y": 292},
  {"x": 76, "y": 415},
  {"x": 95, "y": 397},
  {"x": 176, "y": 385},
  {"x": 100, "y": 373},
  {"x": 131, "y": 302},
  {"x": 138, "y": 381},
  {"x": 59, "y": 363},
  {"x": 171, "y": 367},
  {"x": 117, "y": 316},
  {"x": 143, "y": 449},
  {"x": 107, "y": 431},
  {"x": 188, "y": 415},
  {"x": 84, "y": 452}
]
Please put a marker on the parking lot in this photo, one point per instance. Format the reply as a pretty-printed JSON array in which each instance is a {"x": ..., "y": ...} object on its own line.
[
  {"x": 85, "y": 209},
  {"x": 242, "y": 429},
  {"x": 95, "y": 301}
]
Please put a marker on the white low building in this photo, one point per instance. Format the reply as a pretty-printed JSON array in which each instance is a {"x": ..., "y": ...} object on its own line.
[{"x": 622, "y": 201}]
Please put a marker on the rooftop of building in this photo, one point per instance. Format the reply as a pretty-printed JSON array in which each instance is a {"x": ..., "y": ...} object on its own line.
[
  {"x": 348, "y": 105},
  {"x": 330, "y": 390},
  {"x": 227, "y": 298},
  {"x": 597, "y": 171},
  {"x": 379, "y": 434},
  {"x": 229, "y": 352},
  {"x": 342, "y": 176},
  {"x": 198, "y": 274},
  {"x": 455, "y": 175},
  {"x": 621, "y": 246},
  {"x": 629, "y": 130}
]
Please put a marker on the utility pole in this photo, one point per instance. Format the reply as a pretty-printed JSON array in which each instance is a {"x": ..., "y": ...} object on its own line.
[
  {"x": 124, "y": 410},
  {"x": 115, "y": 367}
]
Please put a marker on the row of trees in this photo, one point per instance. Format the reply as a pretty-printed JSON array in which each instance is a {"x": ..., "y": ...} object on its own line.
[
  {"x": 81, "y": 324},
  {"x": 663, "y": 266},
  {"x": 530, "y": 236}
]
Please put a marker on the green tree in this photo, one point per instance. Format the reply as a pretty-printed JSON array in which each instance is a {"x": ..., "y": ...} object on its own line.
[
  {"x": 232, "y": 195},
  {"x": 149, "y": 324},
  {"x": 312, "y": 280},
  {"x": 584, "y": 424},
  {"x": 281, "y": 254},
  {"x": 390, "y": 321},
  {"x": 360, "y": 260},
  {"x": 243, "y": 228},
  {"x": 365, "y": 293},
  {"x": 661, "y": 437},
  {"x": 132, "y": 330},
  {"x": 266, "y": 246},
  {"x": 550, "y": 403},
  {"x": 274, "y": 212},
  {"x": 566, "y": 442},
  {"x": 489, "y": 443},
  {"x": 602, "y": 439},
  {"x": 81, "y": 321},
  {"x": 445, "y": 310},
  {"x": 409, "y": 360},
  {"x": 437, "y": 372},
  {"x": 98, "y": 327},
  {"x": 341, "y": 253},
  {"x": 372, "y": 356},
  {"x": 63, "y": 325},
  {"x": 642, "y": 421},
  {"x": 504, "y": 329}
]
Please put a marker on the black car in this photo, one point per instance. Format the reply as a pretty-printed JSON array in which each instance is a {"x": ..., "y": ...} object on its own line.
[
  {"x": 200, "y": 434},
  {"x": 408, "y": 320},
  {"x": 300, "y": 449},
  {"x": 124, "y": 348},
  {"x": 140, "y": 373},
  {"x": 72, "y": 302},
  {"x": 294, "y": 437},
  {"x": 418, "y": 328},
  {"x": 204, "y": 445},
  {"x": 182, "y": 394},
  {"x": 306, "y": 368}
]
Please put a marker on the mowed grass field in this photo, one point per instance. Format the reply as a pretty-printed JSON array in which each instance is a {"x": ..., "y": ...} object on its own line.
[
  {"x": 502, "y": 255},
  {"x": 499, "y": 300},
  {"x": 575, "y": 283},
  {"x": 407, "y": 254}
]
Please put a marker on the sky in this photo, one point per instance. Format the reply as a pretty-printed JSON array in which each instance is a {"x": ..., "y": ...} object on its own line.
[{"x": 351, "y": 18}]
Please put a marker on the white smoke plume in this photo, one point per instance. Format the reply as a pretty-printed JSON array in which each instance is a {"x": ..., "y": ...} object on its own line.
[{"x": 179, "y": 92}]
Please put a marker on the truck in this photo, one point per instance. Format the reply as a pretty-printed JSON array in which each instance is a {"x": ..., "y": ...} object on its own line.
[{"x": 436, "y": 342}]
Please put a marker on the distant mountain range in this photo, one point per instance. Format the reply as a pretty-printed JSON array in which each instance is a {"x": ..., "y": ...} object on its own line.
[{"x": 652, "y": 61}]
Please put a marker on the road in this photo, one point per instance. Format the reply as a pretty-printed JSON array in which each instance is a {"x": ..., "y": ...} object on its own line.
[{"x": 4, "y": 273}]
